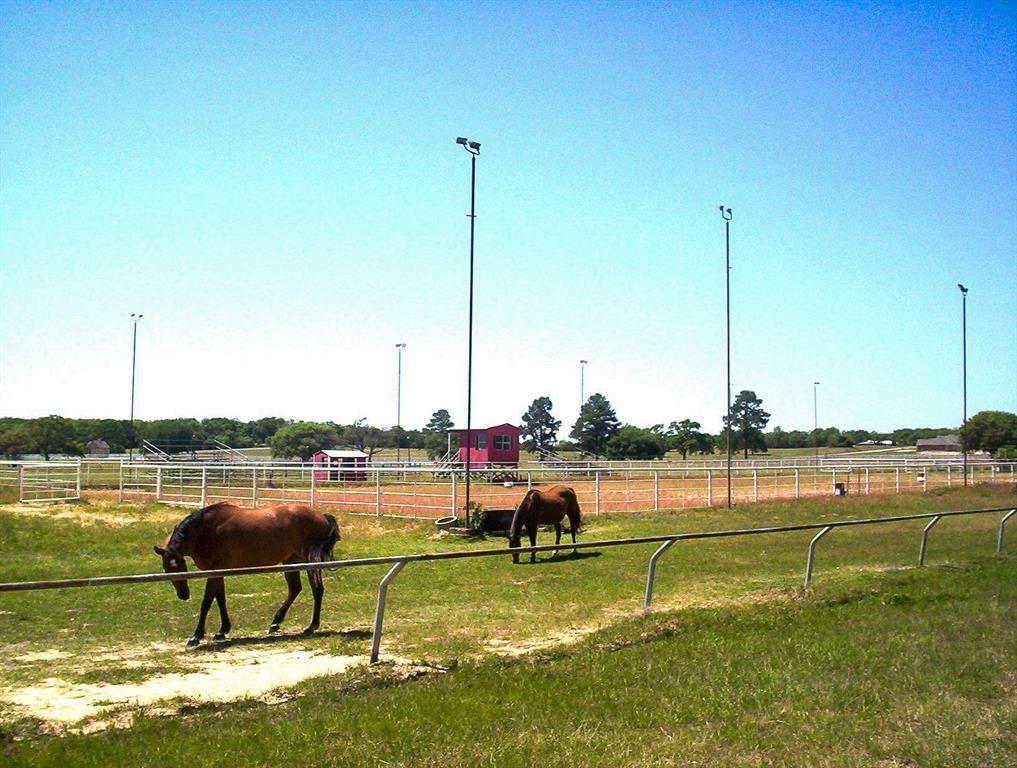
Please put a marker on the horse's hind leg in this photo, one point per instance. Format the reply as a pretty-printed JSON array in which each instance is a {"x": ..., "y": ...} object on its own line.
[
  {"x": 224, "y": 618},
  {"x": 318, "y": 590},
  {"x": 531, "y": 531},
  {"x": 557, "y": 537},
  {"x": 293, "y": 582}
]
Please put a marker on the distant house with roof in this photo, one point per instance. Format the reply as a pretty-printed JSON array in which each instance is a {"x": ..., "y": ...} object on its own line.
[
  {"x": 340, "y": 465},
  {"x": 940, "y": 443},
  {"x": 98, "y": 448}
]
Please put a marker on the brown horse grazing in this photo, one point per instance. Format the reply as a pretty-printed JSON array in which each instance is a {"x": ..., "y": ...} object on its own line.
[
  {"x": 545, "y": 508},
  {"x": 226, "y": 536}
]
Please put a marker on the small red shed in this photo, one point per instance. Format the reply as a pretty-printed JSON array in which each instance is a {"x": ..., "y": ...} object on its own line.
[
  {"x": 492, "y": 446},
  {"x": 340, "y": 465}
]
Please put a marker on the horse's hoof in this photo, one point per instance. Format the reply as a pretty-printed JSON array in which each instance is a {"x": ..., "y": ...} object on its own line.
[
  {"x": 219, "y": 636},
  {"x": 273, "y": 629},
  {"x": 193, "y": 641},
  {"x": 310, "y": 630}
]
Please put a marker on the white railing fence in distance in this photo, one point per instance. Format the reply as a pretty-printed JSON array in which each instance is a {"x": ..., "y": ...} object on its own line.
[
  {"x": 42, "y": 481},
  {"x": 427, "y": 493}
]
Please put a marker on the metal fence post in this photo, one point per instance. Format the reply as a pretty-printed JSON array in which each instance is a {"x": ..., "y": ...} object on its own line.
[
  {"x": 77, "y": 483},
  {"x": 1002, "y": 526},
  {"x": 121, "y": 481},
  {"x": 867, "y": 481},
  {"x": 379, "y": 614},
  {"x": 204, "y": 486},
  {"x": 925, "y": 474},
  {"x": 812, "y": 552},
  {"x": 835, "y": 478},
  {"x": 709, "y": 487},
  {"x": 949, "y": 479},
  {"x": 21, "y": 482},
  {"x": 254, "y": 486},
  {"x": 925, "y": 538},
  {"x": 651, "y": 574},
  {"x": 454, "y": 494},
  {"x": 896, "y": 474},
  {"x": 796, "y": 483},
  {"x": 529, "y": 481},
  {"x": 596, "y": 488},
  {"x": 158, "y": 483},
  {"x": 755, "y": 484},
  {"x": 656, "y": 491},
  {"x": 377, "y": 493},
  {"x": 313, "y": 489}
]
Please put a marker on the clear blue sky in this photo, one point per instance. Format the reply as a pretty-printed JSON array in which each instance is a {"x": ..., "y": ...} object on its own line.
[{"x": 275, "y": 186}]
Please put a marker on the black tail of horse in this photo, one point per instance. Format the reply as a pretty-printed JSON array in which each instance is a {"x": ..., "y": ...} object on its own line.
[
  {"x": 323, "y": 549},
  {"x": 577, "y": 523}
]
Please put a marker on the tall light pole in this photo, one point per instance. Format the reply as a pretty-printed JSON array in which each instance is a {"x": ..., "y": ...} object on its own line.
[
  {"x": 964, "y": 359},
  {"x": 582, "y": 384},
  {"x": 726, "y": 214},
  {"x": 473, "y": 148},
  {"x": 134, "y": 356},
  {"x": 815, "y": 421},
  {"x": 399, "y": 400}
]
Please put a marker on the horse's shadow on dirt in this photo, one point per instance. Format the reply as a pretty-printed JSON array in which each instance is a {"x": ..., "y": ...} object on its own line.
[{"x": 279, "y": 638}]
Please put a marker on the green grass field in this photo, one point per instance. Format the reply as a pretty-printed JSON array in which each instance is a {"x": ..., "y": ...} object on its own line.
[{"x": 880, "y": 664}]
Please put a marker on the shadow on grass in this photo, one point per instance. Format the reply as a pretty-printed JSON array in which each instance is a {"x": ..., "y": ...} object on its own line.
[
  {"x": 560, "y": 558},
  {"x": 216, "y": 646}
]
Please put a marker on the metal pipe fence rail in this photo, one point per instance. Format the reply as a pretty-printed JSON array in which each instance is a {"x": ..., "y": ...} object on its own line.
[
  {"x": 399, "y": 562},
  {"x": 42, "y": 481},
  {"x": 429, "y": 493}
]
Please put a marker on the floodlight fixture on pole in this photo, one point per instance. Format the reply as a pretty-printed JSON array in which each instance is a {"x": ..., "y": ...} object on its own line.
[
  {"x": 134, "y": 356},
  {"x": 399, "y": 400},
  {"x": 964, "y": 363},
  {"x": 726, "y": 214},
  {"x": 473, "y": 147}
]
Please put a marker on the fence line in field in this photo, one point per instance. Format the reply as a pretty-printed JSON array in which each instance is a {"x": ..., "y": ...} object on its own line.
[
  {"x": 431, "y": 493},
  {"x": 398, "y": 562}
]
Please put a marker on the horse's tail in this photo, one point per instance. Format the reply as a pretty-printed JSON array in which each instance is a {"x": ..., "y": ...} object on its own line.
[
  {"x": 322, "y": 550},
  {"x": 575, "y": 514}
]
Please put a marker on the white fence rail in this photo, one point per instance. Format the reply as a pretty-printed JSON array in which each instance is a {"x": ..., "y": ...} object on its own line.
[
  {"x": 430, "y": 493},
  {"x": 42, "y": 481}
]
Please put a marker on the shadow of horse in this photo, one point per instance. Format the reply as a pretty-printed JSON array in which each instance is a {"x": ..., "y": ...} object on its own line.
[{"x": 277, "y": 638}]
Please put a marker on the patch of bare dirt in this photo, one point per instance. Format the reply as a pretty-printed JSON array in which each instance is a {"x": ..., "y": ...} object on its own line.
[{"x": 229, "y": 675}]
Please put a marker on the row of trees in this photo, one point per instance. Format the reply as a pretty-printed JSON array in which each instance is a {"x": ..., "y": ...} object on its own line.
[{"x": 597, "y": 431}]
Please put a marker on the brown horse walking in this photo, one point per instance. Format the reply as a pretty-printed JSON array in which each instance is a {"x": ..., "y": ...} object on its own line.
[
  {"x": 226, "y": 536},
  {"x": 548, "y": 507}
]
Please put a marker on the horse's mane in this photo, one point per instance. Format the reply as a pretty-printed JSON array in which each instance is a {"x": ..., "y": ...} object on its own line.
[{"x": 183, "y": 529}]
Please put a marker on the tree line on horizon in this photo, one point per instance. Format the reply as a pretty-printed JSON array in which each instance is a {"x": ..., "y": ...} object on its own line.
[{"x": 597, "y": 432}]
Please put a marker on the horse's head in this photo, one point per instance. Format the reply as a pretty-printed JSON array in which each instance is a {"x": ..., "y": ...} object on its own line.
[
  {"x": 174, "y": 562},
  {"x": 515, "y": 527}
]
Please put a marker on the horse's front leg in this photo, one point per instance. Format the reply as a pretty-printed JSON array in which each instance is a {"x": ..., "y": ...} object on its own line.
[
  {"x": 557, "y": 537},
  {"x": 224, "y": 618},
  {"x": 206, "y": 603},
  {"x": 318, "y": 590},
  {"x": 531, "y": 531}
]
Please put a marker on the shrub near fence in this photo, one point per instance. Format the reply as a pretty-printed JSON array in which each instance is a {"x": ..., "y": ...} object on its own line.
[{"x": 431, "y": 493}]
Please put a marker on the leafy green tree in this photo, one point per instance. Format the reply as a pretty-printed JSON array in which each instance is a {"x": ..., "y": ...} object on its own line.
[
  {"x": 684, "y": 436},
  {"x": 364, "y": 437},
  {"x": 596, "y": 424},
  {"x": 54, "y": 434},
  {"x": 539, "y": 427},
  {"x": 15, "y": 438},
  {"x": 747, "y": 420},
  {"x": 303, "y": 439},
  {"x": 990, "y": 431},
  {"x": 261, "y": 431},
  {"x": 630, "y": 442},
  {"x": 117, "y": 433},
  {"x": 171, "y": 432},
  {"x": 436, "y": 438}
]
